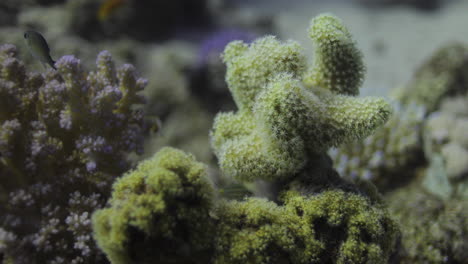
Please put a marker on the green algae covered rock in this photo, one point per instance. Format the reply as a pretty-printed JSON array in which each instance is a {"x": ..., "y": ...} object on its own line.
[
  {"x": 331, "y": 227},
  {"x": 159, "y": 212}
]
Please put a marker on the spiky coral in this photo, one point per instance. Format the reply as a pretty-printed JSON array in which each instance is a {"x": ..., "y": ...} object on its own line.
[
  {"x": 337, "y": 62},
  {"x": 281, "y": 121},
  {"x": 64, "y": 137}
]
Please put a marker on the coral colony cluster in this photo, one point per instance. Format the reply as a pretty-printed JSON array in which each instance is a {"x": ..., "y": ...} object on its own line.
[
  {"x": 65, "y": 135},
  {"x": 312, "y": 153},
  {"x": 166, "y": 211}
]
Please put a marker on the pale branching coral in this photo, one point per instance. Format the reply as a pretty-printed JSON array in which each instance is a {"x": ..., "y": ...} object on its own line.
[
  {"x": 283, "y": 118},
  {"x": 65, "y": 135},
  {"x": 446, "y": 147},
  {"x": 390, "y": 152},
  {"x": 159, "y": 212}
]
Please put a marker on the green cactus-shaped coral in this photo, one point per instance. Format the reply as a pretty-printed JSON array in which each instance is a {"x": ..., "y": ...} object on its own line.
[
  {"x": 159, "y": 211},
  {"x": 287, "y": 112},
  {"x": 337, "y": 62}
]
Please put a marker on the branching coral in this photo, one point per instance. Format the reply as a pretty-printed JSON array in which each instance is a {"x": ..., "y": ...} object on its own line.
[
  {"x": 64, "y": 137},
  {"x": 283, "y": 118},
  {"x": 165, "y": 211},
  {"x": 390, "y": 152}
]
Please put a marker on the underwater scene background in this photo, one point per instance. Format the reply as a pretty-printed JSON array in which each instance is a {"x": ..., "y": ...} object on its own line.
[{"x": 233, "y": 131}]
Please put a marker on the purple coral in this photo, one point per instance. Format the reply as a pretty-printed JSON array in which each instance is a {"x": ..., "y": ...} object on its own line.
[{"x": 64, "y": 137}]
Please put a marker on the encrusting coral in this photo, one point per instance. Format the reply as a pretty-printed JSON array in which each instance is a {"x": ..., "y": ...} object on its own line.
[
  {"x": 65, "y": 135},
  {"x": 287, "y": 112},
  {"x": 166, "y": 210}
]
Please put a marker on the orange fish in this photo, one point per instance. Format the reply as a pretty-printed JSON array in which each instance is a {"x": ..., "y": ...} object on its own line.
[{"x": 107, "y": 7}]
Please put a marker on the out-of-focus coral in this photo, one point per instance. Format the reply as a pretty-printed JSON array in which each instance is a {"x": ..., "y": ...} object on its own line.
[
  {"x": 65, "y": 135},
  {"x": 389, "y": 156},
  {"x": 167, "y": 65},
  {"x": 444, "y": 74},
  {"x": 159, "y": 212},
  {"x": 281, "y": 122},
  {"x": 433, "y": 230},
  {"x": 446, "y": 146},
  {"x": 185, "y": 128}
]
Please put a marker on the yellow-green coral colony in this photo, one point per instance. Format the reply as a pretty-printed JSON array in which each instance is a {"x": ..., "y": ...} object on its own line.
[
  {"x": 287, "y": 111},
  {"x": 165, "y": 210}
]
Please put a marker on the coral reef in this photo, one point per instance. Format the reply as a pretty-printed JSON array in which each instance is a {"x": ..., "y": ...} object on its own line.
[
  {"x": 65, "y": 135},
  {"x": 281, "y": 121},
  {"x": 330, "y": 227},
  {"x": 389, "y": 156},
  {"x": 443, "y": 75},
  {"x": 159, "y": 212},
  {"x": 446, "y": 147},
  {"x": 164, "y": 211},
  {"x": 167, "y": 211},
  {"x": 433, "y": 230}
]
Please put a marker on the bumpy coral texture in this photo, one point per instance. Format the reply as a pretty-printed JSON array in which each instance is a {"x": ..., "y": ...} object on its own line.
[
  {"x": 65, "y": 135},
  {"x": 165, "y": 211},
  {"x": 159, "y": 212},
  {"x": 286, "y": 112},
  {"x": 331, "y": 227},
  {"x": 389, "y": 154},
  {"x": 433, "y": 230},
  {"x": 446, "y": 140}
]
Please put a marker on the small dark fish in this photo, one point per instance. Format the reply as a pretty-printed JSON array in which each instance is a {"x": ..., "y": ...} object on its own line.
[{"x": 38, "y": 47}]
